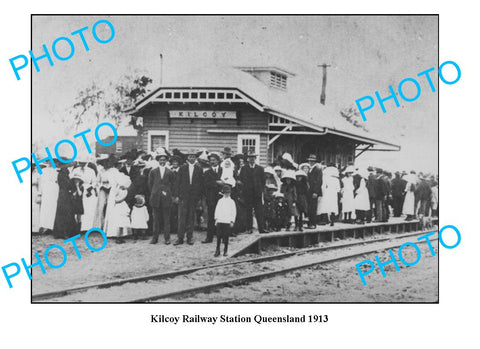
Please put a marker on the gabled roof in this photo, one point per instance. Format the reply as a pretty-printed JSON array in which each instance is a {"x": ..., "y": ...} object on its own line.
[{"x": 299, "y": 103}]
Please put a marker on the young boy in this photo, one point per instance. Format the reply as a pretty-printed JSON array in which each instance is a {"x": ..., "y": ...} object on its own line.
[{"x": 225, "y": 214}]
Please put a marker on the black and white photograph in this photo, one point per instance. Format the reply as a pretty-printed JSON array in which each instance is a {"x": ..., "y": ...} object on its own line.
[{"x": 235, "y": 158}]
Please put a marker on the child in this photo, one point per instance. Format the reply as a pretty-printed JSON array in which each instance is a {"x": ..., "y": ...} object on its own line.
[
  {"x": 121, "y": 211},
  {"x": 281, "y": 212},
  {"x": 290, "y": 194},
  {"x": 301, "y": 186},
  {"x": 77, "y": 200},
  {"x": 269, "y": 205},
  {"x": 139, "y": 218},
  {"x": 225, "y": 214}
]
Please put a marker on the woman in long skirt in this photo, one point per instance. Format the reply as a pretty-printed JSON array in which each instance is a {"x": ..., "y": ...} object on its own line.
[
  {"x": 65, "y": 224},
  {"x": 409, "y": 203},
  {"x": 347, "y": 195},
  {"x": 330, "y": 190},
  {"x": 362, "y": 201},
  {"x": 35, "y": 202},
  {"x": 48, "y": 189}
]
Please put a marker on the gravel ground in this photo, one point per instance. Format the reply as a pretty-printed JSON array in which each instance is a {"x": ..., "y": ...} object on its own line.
[
  {"x": 129, "y": 292},
  {"x": 339, "y": 282},
  {"x": 119, "y": 261}
]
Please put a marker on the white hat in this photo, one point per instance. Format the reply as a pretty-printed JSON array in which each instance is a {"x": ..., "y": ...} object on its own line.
[
  {"x": 300, "y": 173},
  {"x": 269, "y": 170},
  {"x": 349, "y": 169},
  {"x": 289, "y": 174}
]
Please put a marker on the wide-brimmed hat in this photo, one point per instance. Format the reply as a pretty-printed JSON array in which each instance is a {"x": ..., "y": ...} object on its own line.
[
  {"x": 279, "y": 195},
  {"x": 77, "y": 176},
  {"x": 289, "y": 174},
  {"x": 190, "y": 152},
  {"x": 305, "y": 164},
  {"x": 139, "y": 163},
  {"x": 227, "y": 151},
  {"x": 300, "y": 173},
  {"x": 214, "y": 155},
  {"x": 277, "y": 168},
  {"x": 312, "y": 157},
  {"x": 269, "y": 170},
  {"x": 251, "y": 153},
  {"x": 203, "y": 157},
  {"x": 271, "y": 186},
  {"x": 161, "y": 152}
]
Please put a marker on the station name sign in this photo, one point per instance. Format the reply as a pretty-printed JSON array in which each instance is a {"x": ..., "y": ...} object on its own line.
[{"x": 203, "y": 114}]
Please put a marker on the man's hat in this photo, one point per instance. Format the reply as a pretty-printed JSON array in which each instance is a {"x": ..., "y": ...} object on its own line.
[
  {"x": 215, "y": 155},
  {"x": 227, "y": 151},
  {"x": 370, "y": 168},
  {"x": 161, "y": 152},
  {"x": 191, "y": 152},
  {"x": 312, "y": 157},
  {"x": 77, "y": 176},
  {"x": 251, "y": 153}
]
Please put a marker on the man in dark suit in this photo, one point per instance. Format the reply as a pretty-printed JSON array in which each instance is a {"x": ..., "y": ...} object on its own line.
[
  {"x": 175, "y": 162},
  {"x": 252, "y": 178},
  {"x": 381, "y": 193},
  {"x": 315, "y": 181},
  {"x": 371, "y": 193},
  {"x": 212, "y": 192},
  {"x": 160, "y": 183},
  {"x": 188, "y": 187},
  {"x": 128, "y": 168}
]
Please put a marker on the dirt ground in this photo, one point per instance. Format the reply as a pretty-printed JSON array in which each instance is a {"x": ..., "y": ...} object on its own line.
[
  {"x": 336, "y": 282},
  {"x": 340, "y": 282}
]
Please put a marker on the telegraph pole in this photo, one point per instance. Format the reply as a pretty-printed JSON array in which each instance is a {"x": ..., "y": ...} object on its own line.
[{"x": 324, "y": 81}]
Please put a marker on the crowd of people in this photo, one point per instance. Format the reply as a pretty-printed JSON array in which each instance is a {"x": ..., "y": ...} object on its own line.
[{"x": 141, "y": 195}]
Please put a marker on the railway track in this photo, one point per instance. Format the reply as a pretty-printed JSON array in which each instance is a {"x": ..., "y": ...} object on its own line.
[{"x": 186, "y": 282}]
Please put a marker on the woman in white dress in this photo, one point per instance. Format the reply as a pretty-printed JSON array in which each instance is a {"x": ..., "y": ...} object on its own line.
[
  {"x": 35, "y": 202},
  {"x": 409, "y": 203},
  {"x": 362, "y": 201},
  {"x": 110, "y": 180},
  {"x": 330, "y": 190},
  {"x": 48, "y": 189},
  {"x": 347, "y": 195}
]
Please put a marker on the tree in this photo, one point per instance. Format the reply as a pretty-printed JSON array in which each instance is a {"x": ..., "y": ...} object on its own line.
[
  {"x": 96, "y": 104},
  {"x": 352, "y": 115}
]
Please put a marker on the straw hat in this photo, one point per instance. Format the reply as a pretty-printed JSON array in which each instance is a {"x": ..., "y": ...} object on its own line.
[
  {"x": 269, "y": 170},
  {"x": 271, "y": 186}
]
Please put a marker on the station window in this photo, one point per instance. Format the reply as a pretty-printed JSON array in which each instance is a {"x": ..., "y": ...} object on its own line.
[{"x": 247, "y": 143}]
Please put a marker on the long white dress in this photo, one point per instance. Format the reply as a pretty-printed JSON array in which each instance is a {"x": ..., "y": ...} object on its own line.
[
  {"x": 409, "y": 203},
  {"x": 347, "y": 195},
  {"x": 330, "y": 189},
  {"x": 111, "y": 177},
  {"x": 89, "y": 201},
  {"x": 48, "y": 188},
  {"x": 35, "y": 202},
  {"x": 362, "y": 202}
]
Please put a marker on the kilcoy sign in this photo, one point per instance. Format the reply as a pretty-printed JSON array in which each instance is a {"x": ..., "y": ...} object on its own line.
[{"x": 203, "y": 114}]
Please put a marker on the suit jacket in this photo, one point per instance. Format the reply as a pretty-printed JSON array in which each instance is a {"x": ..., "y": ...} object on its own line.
[
  {"x": 315, "y": 180},
  {"x": 160, "y": 188},
  {"x": 212, "y": 189},
  {"x": 398, "y": 186},
  {"x": 253, "y": 182},
  {"x": 134, "y": 171},
  {"x": 183, "y": 189},
  {"x": 381, "y": 188},
  {"x": 371, "y": 186}
]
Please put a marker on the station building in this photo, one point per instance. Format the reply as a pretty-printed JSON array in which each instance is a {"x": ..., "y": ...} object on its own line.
[{"x": 265, "y": 109}]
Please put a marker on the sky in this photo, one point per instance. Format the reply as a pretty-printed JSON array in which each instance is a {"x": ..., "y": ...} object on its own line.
[{"x": 365, "y": 54}]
